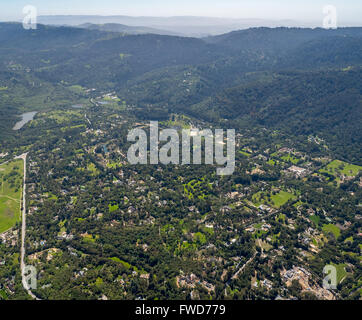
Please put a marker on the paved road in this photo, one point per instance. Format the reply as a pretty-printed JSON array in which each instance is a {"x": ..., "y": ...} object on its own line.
[
  {"x": 85, "y": 116},
  {"x": 235, "y": 276},
  {"x": 245, "y": 226},
  {"x": 23, "y": 229}
]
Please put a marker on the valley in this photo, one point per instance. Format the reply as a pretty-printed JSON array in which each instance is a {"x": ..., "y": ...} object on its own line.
[{"x": 98, "y": 227}]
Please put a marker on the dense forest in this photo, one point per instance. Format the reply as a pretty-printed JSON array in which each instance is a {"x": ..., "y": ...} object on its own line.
[{"x": 300, "y": 80}]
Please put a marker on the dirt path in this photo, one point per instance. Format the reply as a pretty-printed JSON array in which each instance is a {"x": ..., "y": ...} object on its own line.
[{"x": 17, "y": 200}]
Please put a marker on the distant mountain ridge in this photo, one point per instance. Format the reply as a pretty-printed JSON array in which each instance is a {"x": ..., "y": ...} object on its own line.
[
  {"x": 185, "y": 25},
  {"x": 116, "y": 27},
  {"x": 278, "y": 38}
]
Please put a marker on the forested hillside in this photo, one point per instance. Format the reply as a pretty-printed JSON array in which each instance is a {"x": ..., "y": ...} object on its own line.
[
  {"x": 303, "y": 81},
  {"x": 327, "y": 103}
]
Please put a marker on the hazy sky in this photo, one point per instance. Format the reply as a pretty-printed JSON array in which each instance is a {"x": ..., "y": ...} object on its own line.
[{"x": 302, "y": 10}]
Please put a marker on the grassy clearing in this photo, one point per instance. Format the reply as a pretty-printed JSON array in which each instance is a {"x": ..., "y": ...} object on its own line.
[
  {"x": 3, "y": 294},
  {"x": 63, "y": 116},
  {"x": 258, "y": 231},
  {"x": 341, "y": 272},
  {"x": 337, "y": 168},
  {"x": 290, "y": 158},
  {"x": 331, "y": 228},
  {"x": 281, "y": 198},
  {"x": 272, "y": 162},
  {"x": 50, "y": 196},
  {"x": 89, "y": 238},
  {"x": 243, "y": 152},
  {"x": 113, "y": 165},
  {"x": 127, "y": 265},
  {"x": 179, "y": 122},
  {"x": 111, "y": 99},
  {"x": 76, "y": 89},
  {"x": 263, "y": 245},
  {"x": 113, "y": 208},
  {"x": 200, "y": 238},
  {"x": 11, "y": 181},
  {"x": 92, "y": 168},
  {"x": 275, "y": 200},
  {"x": 350, "y": 240},
  {"x": 297, "y": 204},
  {"x": 197, "y": 188},
  {"x": 281, "y": 218},
  {"x": 209, "y": 231},
  {"x": 315, "y": 219}
]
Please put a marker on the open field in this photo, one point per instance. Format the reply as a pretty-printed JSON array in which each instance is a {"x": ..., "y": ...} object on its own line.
[
  {"x": 315, "y": 219},
  {"x": 263, "y": 245},
  {"x": 341, "y": 272},
  {"x": 331, "y": 228},
  {"x": 275, "y": 200},
  {"x": 337, "y": 168},
  {"x": 11, "y": 179},
  {"x": 290, "y": 158}
]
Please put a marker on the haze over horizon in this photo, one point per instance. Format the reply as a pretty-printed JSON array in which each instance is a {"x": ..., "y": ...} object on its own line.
[{"x": 307, "y": 11}]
